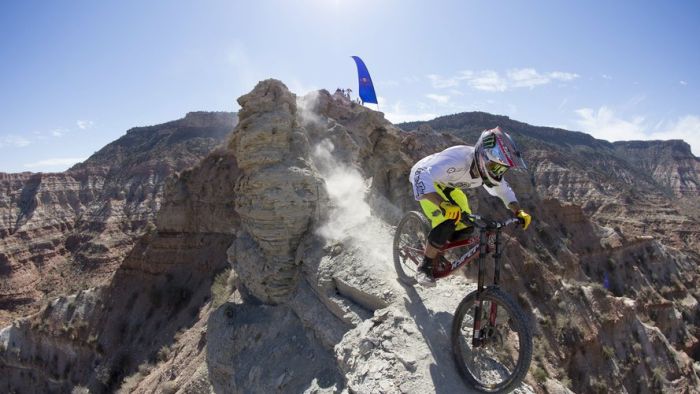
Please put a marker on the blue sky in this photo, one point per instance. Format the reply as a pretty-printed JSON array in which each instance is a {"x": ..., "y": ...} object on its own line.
[{"x": 76, "y": 75}]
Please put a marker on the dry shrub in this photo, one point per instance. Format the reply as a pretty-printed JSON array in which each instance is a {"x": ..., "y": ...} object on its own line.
[{"x": 222, "y": 288}]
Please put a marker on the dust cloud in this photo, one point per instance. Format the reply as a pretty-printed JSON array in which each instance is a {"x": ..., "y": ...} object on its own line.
[{"x": 350, "y": 218}]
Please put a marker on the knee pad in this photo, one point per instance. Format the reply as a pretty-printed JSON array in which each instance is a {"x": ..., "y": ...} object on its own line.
[{"x": 441, "y": 233}]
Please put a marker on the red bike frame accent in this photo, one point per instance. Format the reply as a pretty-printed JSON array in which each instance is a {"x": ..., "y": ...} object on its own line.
[{"x": 442, "y": 269}]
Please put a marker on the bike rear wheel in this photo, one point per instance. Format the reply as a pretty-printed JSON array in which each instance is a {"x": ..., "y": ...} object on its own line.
[
  {"x": 503, "y": 358},
  {"x": 409, "y": 241}
]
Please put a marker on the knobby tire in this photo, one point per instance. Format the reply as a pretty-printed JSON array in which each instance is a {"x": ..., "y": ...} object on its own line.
[
  {"x": 413, "y": 229},
  {"x": 517, "y": 322}
]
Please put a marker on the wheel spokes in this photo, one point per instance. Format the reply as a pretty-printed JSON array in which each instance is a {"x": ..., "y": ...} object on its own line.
[
  {"x": 494, "y": 361},
  {"x": 411, "y": 243}
]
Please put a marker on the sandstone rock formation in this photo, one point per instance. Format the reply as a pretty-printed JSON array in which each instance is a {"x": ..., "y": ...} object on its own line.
[
  {"x": 154, "y": 298},
  {"x": 269, "y": 270},
  {"x": 670, "y": 163},
  {"x": 67, "y": 231}
]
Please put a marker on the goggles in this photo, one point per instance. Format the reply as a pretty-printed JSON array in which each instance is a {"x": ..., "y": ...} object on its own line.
[{"x": 496, "y": 169}]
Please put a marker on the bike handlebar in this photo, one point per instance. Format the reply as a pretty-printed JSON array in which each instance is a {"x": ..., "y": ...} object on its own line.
[{"x": 481, "y": 222}]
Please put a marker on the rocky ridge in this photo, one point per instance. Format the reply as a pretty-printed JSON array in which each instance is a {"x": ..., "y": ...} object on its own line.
[
  {"x": 60, "y": 232},
  {"x": 670, "y": 163},
  {"x": 299, "y": 208}
]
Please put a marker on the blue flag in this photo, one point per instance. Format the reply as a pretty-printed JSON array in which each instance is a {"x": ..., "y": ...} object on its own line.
[{"x": 367, "y": 93}]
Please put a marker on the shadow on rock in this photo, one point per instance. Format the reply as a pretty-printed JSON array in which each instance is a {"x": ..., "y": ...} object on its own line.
[
  {"x": 264, "y": 349},
  {"x": 435, "y": 328}
]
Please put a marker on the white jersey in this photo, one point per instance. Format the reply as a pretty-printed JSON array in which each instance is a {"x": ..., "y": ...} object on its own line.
[{"x": 451, "y": 168}]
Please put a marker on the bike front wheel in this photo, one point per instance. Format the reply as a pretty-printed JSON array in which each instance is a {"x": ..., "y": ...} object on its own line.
[
  {"x": 409, "y": 241},
  {"x": 499, "y": 359}
]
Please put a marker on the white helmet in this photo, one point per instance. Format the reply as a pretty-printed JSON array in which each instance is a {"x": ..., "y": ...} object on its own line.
[{"x": 495, "y": 153}]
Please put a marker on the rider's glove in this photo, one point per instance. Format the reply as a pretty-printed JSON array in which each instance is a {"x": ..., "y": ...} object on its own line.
[
  {"x": 525, "y": 217},
  {"x": 451, "y": 211}
]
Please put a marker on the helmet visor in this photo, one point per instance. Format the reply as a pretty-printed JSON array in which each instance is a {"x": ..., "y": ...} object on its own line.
[{"x": 505, "y": 152}]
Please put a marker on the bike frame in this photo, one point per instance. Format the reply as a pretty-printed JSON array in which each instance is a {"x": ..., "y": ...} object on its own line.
[
  {"x": 476, "y": 249},
  {"x": 489, "y": 233},
  {"x": 467, "y": 257},
  {"x": 486, "y": 228},
  {"x": 472, "y": 253}
]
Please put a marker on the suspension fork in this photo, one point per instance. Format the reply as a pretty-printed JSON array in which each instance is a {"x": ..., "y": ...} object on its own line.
[
  {"x": 476, "y": 334},
  {"x": 497, "y": 259},
  {"x": 493, "y": 313},
  {"x": 477, "y": 340}
]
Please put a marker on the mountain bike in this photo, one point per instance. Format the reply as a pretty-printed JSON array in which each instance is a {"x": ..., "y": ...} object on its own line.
[{"x": 491, "y": 337}]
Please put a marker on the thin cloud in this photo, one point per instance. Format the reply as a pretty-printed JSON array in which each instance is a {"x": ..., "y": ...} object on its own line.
[
  {"x": 440, "y": 99},
  {"x": 493, "y": 81},
  {"x": 527, "y": 78},
  {"x": 606, "y": 76},
  {"x": 396, "y": 117},
  {"x": 58, "y": 132},
  {"x": 57, "y": 162},
  {"x": 530, "y": 78},
  {"x": 244, "y": 68},
  {"x": 440, "y": 82},
  {"x": 635, "y": 101},
  {"x": 397, "y": 114},
  {"x": 563, "y": 103},
  {"x": 14, "y": 141},
  {"x": 389, "y": 82},
  {"x": 684, "y": 83},
  {"x": 562, "y": 76},
  {"x": 686, "y": 128},
  {"x": 489, "y": 81},
  {"x": 605, "y": 124},
  {"x": 85, "y": 124}
]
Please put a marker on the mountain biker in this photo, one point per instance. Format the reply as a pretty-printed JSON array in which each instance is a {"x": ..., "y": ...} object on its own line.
[{"x": 437, "y": 180}]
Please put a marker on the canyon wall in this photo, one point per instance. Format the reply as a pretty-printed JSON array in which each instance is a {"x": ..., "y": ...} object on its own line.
[
  {"x": 269, "y": 269},
  {"x": 62, "y": 232}
]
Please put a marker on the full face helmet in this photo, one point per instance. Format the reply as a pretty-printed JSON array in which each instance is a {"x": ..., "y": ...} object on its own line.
[{"x": 495, "y": 153}]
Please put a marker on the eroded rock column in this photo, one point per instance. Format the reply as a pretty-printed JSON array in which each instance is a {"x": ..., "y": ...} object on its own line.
[{"x": 277, "y": 195}]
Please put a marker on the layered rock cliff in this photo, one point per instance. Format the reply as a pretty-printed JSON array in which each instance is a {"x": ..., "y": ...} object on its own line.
[
  {"x": 61, "y": 232},
  {"x": 269, "y": 270},
  {"x": 670, "y": 163}
]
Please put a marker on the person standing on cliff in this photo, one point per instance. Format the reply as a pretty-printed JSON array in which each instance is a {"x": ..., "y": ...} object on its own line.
[{"x": 437, "y": 181}]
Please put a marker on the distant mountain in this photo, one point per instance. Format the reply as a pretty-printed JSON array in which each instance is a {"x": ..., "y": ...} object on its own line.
[
  {"x": 165, "y": 147},
  {"x": 670, "y": 164},
  {"x": 468, "y": 125},
  {"x": 67, "y": 231}
]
